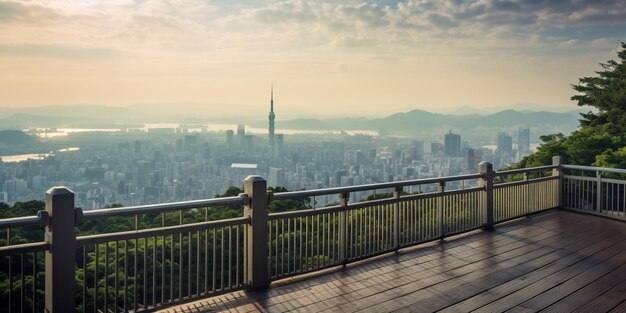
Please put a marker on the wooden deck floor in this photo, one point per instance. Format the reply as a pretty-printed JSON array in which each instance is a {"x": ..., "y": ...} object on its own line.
[{"x": 554, "y": 262}]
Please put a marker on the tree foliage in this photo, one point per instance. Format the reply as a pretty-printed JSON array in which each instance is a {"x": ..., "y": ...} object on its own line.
[{"x": 601, "y": 138}]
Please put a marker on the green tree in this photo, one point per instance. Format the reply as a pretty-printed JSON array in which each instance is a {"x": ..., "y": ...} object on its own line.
[{"x": 601, "y": 137}]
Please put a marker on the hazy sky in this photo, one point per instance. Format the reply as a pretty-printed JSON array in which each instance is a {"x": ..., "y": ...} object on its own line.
[{"x": 324, "y": 57}]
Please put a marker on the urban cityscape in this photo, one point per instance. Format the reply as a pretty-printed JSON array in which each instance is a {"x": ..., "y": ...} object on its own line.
[{"x": 183, "y": 163}]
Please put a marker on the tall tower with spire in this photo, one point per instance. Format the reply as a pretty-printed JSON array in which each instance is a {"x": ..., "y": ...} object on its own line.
[{"x": 271, "y": 118}]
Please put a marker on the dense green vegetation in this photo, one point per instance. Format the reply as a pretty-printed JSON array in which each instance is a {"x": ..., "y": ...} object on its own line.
[{"x": 600, "y": 139}]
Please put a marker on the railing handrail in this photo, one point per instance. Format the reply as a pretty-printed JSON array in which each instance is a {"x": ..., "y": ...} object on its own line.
[
  {"x": 162, "y": 207},
  {"x": 23, "y": 221},
  {"x": 595, "y": 169},
  {"x": 526, "y": 170},
  {"x": 374, "y": 186}
]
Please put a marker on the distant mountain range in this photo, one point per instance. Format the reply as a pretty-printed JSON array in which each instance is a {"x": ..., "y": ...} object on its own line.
[
  {"x": 415, "y": 122},
  {"x": 418, "y": 120}
]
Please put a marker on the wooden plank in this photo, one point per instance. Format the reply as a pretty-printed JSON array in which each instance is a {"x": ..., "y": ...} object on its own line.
[
  {"x": 578, "y": 252},
  {"x": 588, "y": 293},
  {"x": 620, "y": 308},
  {"x": 407, "y": 296},
  {"x": 607, "y": 302},
  {"x": 546, "y": 283},
  {"x": 475, "y": 284},
  {"x": 562, "y": 290}
]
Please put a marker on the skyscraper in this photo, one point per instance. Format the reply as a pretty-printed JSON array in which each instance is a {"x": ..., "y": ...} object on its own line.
[
  {"x": 241, "y": 134},
  {"x": 271, "y": 118},
  {"x": 505, "y": 144},
  {"x": 452, "y": 145},
  {"x": 523, "y": 141}
]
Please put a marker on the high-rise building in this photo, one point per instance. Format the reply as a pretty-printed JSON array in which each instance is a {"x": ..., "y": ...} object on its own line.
[
  {"x": 276, "y": 177},
  {"x": 241, "y": 134},
  {"x": 272, "y": 116},
  {"x": 523, "y": 141},
  {"x": 230, "y": 138},
  {"x": 474, "y": 158},
  {"x": 505, "y": 144},
  {"x": 452, "y": 145}
]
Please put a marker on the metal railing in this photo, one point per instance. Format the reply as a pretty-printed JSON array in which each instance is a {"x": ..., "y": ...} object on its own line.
[
  {"x": 178, "y": 252},
  {"x": 595, "y": 190}
]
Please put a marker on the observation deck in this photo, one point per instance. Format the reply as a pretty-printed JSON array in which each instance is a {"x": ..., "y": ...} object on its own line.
[
  {"x": 556, "y": 261},
  {"x": 490, "y": 242}
]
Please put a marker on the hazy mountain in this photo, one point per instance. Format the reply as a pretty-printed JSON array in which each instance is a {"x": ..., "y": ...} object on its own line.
[
  {"x": 419, "y": 120},
  {"x": 405, "y": 123},
  {"x": 15, "y": 137}
]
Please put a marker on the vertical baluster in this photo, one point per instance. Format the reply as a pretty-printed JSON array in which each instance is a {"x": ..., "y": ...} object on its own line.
[
  {"x": 145, "y": 273},
  {"x": 222, "y": 259},
  {"x": 172, "y": 274},
  {"x": 276, "y": 249},
  {"x": 197, "y": 264},
  {"x": 106, "y": 277},
  {"x": 10, "y": 278},
  {"x": 237, "y": 283},
  {"x": 237, "y": 257},
  {"x": 154, "y": 269},
  {"x": 189, "y": 258},
  {"x": 162, "y": 281},
  {"x": 317, "y": 243},
  {"x": 84, "y": 279},
  {"x": 135, "y": 266},
  {"x": 125, "y": 275},
  {"x": 230, "y": 256},
  {"x": 206, "y": 252},
  {"x": 306, "y": 241},
  {"x": 214, "y": 285},
  {"x": 95, "y": 278},
  {"x": 35, "y": 282},
  {"x": 116, "y": 260},
  {"x": 270, "y": 249},
  {"x": 282, "y": 247},
  {"x": 324, "y": 230},
  {"x": 300, "y": 244},
  {"x": 180, "y": 257}
]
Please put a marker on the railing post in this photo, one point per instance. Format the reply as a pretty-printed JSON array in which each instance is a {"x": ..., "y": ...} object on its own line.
[
  {"x": 441, "y": 189},
  {"x": 486, "y": 181},
  {"x": 343, "y": 228},
  {"x": 599, "y": 191},
  {"x": 396, "y": 218},
  {"x": 558, "y": 161},
  {"x": 255, "y": 187},
  {"x": 60, "y": 285},
  {"x": 526, "y": 188}
]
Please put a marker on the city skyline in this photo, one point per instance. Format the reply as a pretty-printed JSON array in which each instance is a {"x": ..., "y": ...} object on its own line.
[{"x": 330, "y": 57}]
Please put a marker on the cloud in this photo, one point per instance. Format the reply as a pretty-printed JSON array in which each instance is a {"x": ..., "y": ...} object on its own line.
[
  {"x": 300, "y": 26},
  {"x": 58, "y": 51},
  {"x": 11, "y": 11}
]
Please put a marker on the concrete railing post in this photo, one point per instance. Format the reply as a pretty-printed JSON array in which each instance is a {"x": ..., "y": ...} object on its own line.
[
  {"x": 255, "y": 187},
  {"x": 486, "y": 169},
  {"x": 60, "y": 259},
  {"x": 441, "y": 189},
  {"x": 396, "y": 218},
  {"x": 558, "y": 161}
]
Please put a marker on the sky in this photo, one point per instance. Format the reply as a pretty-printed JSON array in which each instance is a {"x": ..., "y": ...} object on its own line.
[{"x": 325, "y": 58}]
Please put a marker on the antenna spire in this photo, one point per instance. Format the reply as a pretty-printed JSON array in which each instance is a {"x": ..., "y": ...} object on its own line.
[{"x": 272, "y": 99}]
